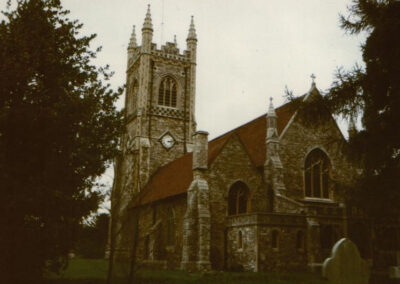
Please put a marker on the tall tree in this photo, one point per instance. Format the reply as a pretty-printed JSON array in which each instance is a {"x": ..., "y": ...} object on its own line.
[
  {"x": 372, "y": 92},
  {"x": 58, "y": 129}
]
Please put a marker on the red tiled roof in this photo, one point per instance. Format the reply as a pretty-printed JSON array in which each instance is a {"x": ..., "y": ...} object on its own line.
[{"x": 175, "y": 177}]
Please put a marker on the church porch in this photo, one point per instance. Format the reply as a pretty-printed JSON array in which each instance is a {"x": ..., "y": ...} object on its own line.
[{"x": 266, "y": 242}]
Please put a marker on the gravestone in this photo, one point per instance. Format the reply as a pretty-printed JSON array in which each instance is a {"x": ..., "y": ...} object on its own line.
[
  {"x": 394, "y": 271},
  {"x": 345, "y": 266}
]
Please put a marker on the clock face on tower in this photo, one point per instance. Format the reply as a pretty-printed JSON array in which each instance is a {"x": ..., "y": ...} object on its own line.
[{"x": 167, "y": 141}]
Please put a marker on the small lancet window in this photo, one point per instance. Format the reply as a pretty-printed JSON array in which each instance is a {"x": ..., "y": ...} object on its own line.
[
  {"x": 300, "y": 240},
  {"x": 147, "y": 247},
  {"x": 328, "y": 236},
  {"x": 316, "y": 174},
  {"x": 238, "y": 202},
  {"x": 170, "y": 222},
  {"x": 275, "y": 239},
  {"x": 240, "y": 240},
  {"x": 167, "y": 92},
  {"x": 131, "y": 97}
]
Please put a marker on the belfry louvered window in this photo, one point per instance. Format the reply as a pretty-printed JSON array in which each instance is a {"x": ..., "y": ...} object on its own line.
[
  {"x": 316, "y": 174},
  {"x": 167, "y": 92}
]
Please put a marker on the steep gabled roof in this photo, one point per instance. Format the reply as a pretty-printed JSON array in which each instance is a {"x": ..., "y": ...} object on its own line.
[{"x": 175, "y": 177}]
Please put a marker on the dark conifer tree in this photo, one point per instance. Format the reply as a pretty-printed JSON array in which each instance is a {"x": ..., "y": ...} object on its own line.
[
  {"x": 58, "y": 129},
  {"x": 373, "y": 93}
]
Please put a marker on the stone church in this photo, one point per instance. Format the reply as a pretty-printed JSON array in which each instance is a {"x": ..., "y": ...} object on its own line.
[{"x": 266, "y": 195}]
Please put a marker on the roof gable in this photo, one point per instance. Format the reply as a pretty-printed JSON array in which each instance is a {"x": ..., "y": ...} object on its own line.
[
  {"x": 311, "y": 95},
  {"x": 174, "y": 178}
]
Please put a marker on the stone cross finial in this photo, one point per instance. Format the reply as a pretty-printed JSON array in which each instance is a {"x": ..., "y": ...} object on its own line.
[
  {"x": 313, "y": 77},
  {"x": 345, "y": 266},
  {"x": 313, "y": 80}
]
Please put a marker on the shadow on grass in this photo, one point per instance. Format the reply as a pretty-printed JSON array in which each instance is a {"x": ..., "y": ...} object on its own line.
[
  {"x": 94, "y": 271},
  {"x": 75, "y": 281}
]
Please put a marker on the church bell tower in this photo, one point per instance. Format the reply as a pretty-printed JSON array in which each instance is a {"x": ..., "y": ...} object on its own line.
[{"x": 159, "y": 105}]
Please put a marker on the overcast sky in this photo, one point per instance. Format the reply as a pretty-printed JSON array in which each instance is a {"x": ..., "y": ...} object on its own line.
[{"x": 248, "y": 50}]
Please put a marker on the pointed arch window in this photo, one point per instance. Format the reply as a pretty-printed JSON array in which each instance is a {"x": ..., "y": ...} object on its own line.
[
  {"x": 316, "y": 174},
  {"x": 167, "y": 92},
  {"x": 300, "y": 240},
  {"x": 146, "y": 247},
  {"x": 171, "y": 230},
  {"x": 275, "y": 239},
  {"x": 238, "y": 199},
  {"x": 131, "y": 95},
  {"x": 328, "y": 236},
  {"x": 135, "y": 88},
  {"x": 240, "y": 240}
]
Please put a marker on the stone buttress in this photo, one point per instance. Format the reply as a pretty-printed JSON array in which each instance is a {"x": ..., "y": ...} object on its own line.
[{"x": 196, "y": 224}]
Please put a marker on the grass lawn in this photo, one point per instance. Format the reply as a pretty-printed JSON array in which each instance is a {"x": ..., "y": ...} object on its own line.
[
  {"x": 94, "y": 271},
  {"x": 82, "y": 271}
]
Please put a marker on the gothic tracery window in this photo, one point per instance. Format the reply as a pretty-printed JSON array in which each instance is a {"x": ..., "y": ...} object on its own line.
[
  {"x": 167, "y": 92},
  {"x": 238, "y": 199},
  {"x": 316, "y": 174}
]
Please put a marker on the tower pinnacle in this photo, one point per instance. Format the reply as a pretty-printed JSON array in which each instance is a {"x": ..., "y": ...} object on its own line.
[
  {"x": 147, "y": 20},
  {"x": 147, "y": 32},
  {"x": 192, "y": 31},
  {"x": 272, "y": 132},
  {"x": 132, "y": 41},
  {"x": 271, "y": 109}
]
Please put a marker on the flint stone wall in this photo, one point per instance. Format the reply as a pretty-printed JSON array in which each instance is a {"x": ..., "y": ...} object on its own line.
[
  {"x": 152, "y": 223},
  {"x": 231, "y": 165},
  {"x": 299, "y": 140},
  {"x": 258, "y": 253}
]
